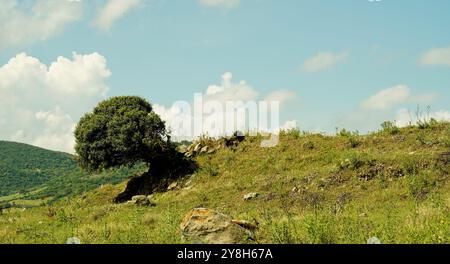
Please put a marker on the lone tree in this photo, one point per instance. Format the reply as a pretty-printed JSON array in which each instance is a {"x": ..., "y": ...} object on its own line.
[{"x": 121, "y": 131}]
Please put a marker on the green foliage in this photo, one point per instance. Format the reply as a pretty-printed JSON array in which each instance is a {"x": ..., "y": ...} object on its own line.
[
  {"x": 121, "y": 131},
  {"x": 390, "y": 128},
  {"x": 308, "y": 145},
  {"x": 420, "y": 185},
  {"x": 32, "y": 173},
  {"x": 351, "y": 137}
]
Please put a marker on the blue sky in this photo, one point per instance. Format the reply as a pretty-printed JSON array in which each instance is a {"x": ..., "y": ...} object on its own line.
[{"x": 337, "y": 57}]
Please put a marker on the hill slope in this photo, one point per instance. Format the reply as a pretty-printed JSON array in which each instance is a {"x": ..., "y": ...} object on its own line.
[
  {"x": 312, "y": 189},
  {"x": 28, "y": 172}
]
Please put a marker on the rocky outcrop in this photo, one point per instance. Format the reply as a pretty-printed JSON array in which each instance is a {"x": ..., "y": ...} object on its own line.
[
  {"x": 202, "y": 225},
  {"x": 210, "y": 145}
]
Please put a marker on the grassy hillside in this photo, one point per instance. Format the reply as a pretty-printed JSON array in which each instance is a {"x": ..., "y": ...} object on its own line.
[
  {"x": 30, "y": 175},
  {"x": 393, "y": 184}
]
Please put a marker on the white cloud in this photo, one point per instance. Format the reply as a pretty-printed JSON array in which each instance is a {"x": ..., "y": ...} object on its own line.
[
  {"x": 288, "y": 125},
  {"x": 281, "y": 96},
  {"x": 390, "y": 97},
  {"x": 323, "y": 61},
  {"x": 387, "y": 98},
  {"x": 404, "y": 117},
  {"x": 439, "y": 56},
  {"x": 218, "y": 96},
  {"x": 22, "y": 25},
  {"x": 220, "y": 3},
  {"x": 40, "y": 103},
  {"x": 112, "y": 11}
]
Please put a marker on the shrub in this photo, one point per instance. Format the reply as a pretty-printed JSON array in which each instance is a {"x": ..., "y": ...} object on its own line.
[
  {"x": 294, "y": 132},
  {"x": 390, "y": 128},
  {"x": 353, "y": 142},
  {"x": 420, "y": 185},
  {"x": 308, "y": 145}
]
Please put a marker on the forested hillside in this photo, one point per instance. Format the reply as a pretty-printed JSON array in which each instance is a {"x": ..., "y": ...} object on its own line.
[{"x": 28, "y": 172}]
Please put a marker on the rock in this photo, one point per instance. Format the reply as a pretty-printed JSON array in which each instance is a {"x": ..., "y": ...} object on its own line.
[
  {"x": 73, "y": 241},
  {"x": 250, "y": 196},
  {"x": 172, "y": 186},
  {"x": 245, "y": 224},
  {"x": 204, "y": 149},
  {"x": 140, "y": 200},
  {"x": 207, "y": 226},
  {"x": 197, "y": 147},
  {"x": 373, "y": 241},
  {"x": 211, "y": 151}
]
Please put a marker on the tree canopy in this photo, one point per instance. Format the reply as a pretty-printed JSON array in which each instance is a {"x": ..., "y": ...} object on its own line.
[{"x": 121, "y": 131}]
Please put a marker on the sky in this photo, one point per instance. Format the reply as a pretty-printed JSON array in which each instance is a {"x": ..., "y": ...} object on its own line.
[{"x": 331, "y": 64}]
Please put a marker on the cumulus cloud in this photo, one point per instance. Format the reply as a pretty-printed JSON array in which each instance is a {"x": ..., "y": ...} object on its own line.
[
  {"x": 439, "y": 56},
  {"x": 23, "y": 25},
  {"x": 387, "y": 98},
  {"x": 281, "y": 96},
  {"x": 225, "y": 108},
  {"x": 220, "y": 3},
  {"x": 323, "y": 61},
  {"x": 404, "y": 117},
  {"x": 112, "y": 11},
  {"x": 390, "y": 97},
  {"x": 41, "y": 104}
]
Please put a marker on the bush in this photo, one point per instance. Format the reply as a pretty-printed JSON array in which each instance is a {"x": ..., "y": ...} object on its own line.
[
  {"x": 420, "y": 185},
  {"x": 390, "y": 128},
  {"x": 308, "y": 145}
]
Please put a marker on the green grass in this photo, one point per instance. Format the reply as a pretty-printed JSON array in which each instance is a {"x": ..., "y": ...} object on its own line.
[{"x": 312, "y": 189}]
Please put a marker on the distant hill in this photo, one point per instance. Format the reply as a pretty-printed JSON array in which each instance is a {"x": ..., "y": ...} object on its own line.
[{"x": 29, "y": 172}]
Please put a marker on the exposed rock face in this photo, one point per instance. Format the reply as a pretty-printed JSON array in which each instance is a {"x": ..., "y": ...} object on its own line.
[{"x": 202, "y": 225}]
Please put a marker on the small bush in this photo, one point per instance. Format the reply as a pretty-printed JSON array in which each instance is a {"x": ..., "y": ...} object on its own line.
[
  {"x": 353, "y": 142},
  {"x": 308, "y": 145},
  {"x": 420, "y": 185},
  {"x": 411, "y": 165},
  {"x": 295, "y": 133},
  {"x": 355, "y": 161},
  {"x": 390, "y": 128}
]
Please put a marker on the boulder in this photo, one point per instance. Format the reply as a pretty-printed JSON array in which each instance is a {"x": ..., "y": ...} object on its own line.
[
  {"x": 373, "y": 241},
  {"x": 141, "y": 200},
  {"x": 250, "y": 196},
  {"x": 202, "y": 225},
  {"x": 172, "y": 186},
  {"x": 73, "y": 241},
  {"x": 204, "y": 149}
]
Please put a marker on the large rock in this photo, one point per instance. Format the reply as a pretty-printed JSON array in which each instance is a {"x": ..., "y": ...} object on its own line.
[
  {"x": 202, "y": 225},
  {"x": 250, "y": 196},
  {"x": 141, "y": 200}
]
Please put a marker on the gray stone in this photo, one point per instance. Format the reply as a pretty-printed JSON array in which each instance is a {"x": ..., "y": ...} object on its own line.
[
  {"x": 73, "y": 241},
  {"x": 250, "y": 196},
  {"x": 172, "y": 186},
  {"x": 202, "y": 225},
  {"x": 373, "y": 241},
  {"x": 140, "y": 200}
]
